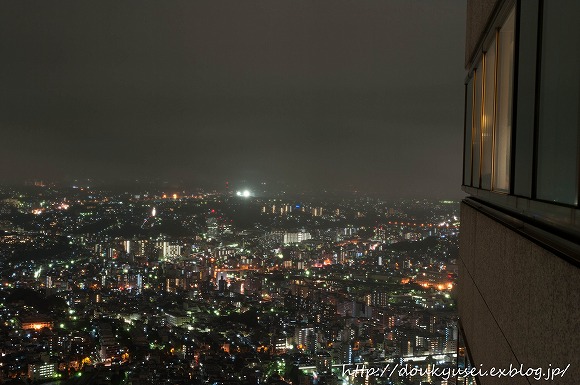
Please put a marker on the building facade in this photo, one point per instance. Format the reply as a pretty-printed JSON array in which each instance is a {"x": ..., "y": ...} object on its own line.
[{"x": 519, "y": 281}]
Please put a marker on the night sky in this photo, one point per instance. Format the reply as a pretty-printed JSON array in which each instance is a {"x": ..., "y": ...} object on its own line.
[{"x": 325, "y": 94}]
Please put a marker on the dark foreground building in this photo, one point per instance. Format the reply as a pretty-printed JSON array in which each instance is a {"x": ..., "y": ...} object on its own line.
[{"x": 519, "y": 290}]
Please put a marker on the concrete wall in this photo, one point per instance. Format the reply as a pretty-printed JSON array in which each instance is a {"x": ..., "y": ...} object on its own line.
[{"x": 518, "y": 303}]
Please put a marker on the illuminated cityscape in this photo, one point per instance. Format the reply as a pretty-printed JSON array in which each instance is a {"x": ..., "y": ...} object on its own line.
[
  {"x": 261, "y": 192},
  {"x": 206, "y": 287}
]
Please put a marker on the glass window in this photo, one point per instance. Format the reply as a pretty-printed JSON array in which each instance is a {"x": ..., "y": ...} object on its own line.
[
  {"x": 559, "y": 121},
  {"x": 491, "y": 113},
  {"x": 468, "y": 127},
  {"x": 487, "y": 118},
  {"x": 476, "y": 131},
  {"x": 503, "y": 126},
  {"x": 523, "y": 155}
]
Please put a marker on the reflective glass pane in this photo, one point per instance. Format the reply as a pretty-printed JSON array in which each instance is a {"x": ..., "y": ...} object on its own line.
[
  {"x": 468, "y": 128},
  {"x": 557, "y": 176},
  {"x": 503, "y": 127},
  {"x": 476, "y": 132},
  {"x": 487, "y": 119}
]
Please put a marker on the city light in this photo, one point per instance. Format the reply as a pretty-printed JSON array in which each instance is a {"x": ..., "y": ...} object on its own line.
[{"x": 281, "y": 273}]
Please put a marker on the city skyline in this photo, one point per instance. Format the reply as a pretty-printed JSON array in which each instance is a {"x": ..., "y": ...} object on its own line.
[{"x": 325, "y": 95}]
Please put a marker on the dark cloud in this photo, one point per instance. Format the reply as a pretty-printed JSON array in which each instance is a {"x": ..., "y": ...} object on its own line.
[{"x": 325, "y": 93}]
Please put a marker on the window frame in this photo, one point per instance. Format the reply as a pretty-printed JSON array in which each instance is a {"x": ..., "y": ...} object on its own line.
[{"x": 479, "y": 71}]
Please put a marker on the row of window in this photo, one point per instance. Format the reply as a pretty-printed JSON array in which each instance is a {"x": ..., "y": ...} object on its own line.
[
  {"x": 489, "y": 114},
  {"x": 522, "y": 124}
]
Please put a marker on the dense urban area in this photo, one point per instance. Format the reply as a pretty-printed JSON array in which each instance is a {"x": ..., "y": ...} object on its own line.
[{"x": 235, "y": 286}]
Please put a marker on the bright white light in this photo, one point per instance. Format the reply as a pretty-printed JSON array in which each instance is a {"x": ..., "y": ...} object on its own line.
[
  {"x": 239, "y": 193},
  {"x": 246, "y": 193},
  {"x": 153, "y": 212}
]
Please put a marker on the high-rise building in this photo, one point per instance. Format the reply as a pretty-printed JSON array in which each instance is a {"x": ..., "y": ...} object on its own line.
[
  {"x": 41, "y": 371},
  {"x": 519, "y": 281},
  {"x": 297, "y": 237},
  {"x": 168, "y": 250},
  {"x": 305, "y": 338},
  {"x": 212, "y": 227},
  {"x": 127, "y": 246}
]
